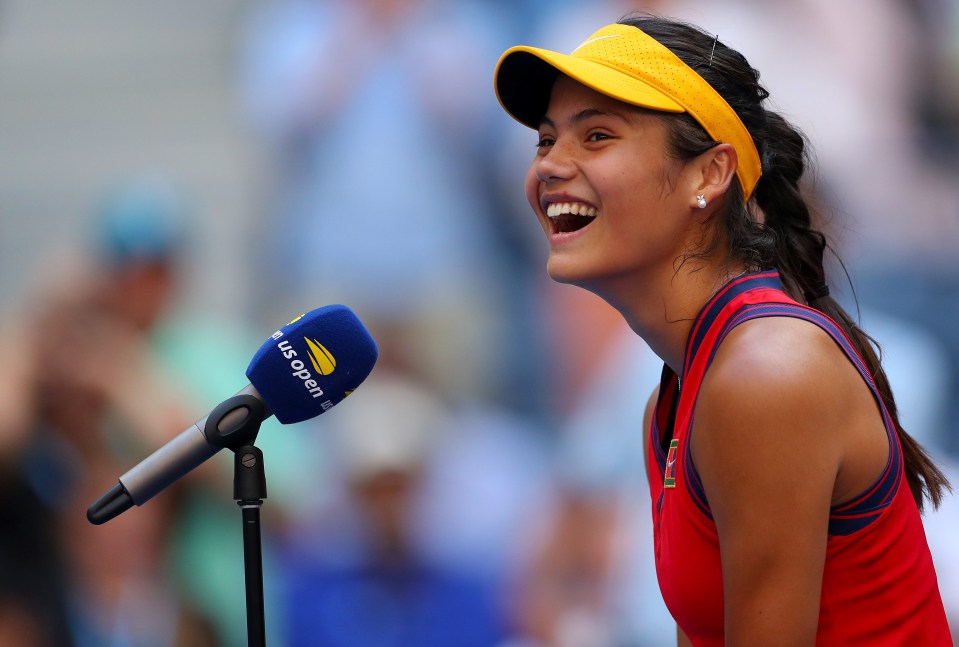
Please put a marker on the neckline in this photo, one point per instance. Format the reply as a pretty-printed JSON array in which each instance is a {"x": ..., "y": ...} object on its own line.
[{"x": 710, "y": 311}]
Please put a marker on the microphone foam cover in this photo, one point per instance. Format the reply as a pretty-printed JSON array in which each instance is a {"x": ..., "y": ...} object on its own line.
[{"x": 312, "y": 363}]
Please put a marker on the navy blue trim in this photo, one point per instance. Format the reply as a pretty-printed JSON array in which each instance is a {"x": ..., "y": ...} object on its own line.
[
  {"x": 840, "y": 526},
  {"x": 667, "y": 395},
  {"x": 658, "y": 450},
  {"x": 694, "y": 485}
]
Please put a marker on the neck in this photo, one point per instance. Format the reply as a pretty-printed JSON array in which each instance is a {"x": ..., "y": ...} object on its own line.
[{"x": 662, "y": 309}]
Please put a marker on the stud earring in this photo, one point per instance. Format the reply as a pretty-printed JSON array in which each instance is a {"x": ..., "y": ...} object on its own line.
[{"x": 701, "y": 201}]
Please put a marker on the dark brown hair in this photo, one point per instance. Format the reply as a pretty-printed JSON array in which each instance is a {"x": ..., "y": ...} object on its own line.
[{"x": 775, "y": 230}]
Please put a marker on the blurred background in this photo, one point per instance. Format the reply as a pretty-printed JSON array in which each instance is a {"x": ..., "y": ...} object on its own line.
[{"x": 179, "y": 179}]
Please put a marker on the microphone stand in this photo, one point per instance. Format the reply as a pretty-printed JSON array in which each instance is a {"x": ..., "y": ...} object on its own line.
[
  {"x": 234, "y": 424},
  {"x": 249, "y": 490}
]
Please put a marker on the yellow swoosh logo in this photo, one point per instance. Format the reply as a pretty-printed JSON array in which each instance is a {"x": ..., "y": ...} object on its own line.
[{"x": 322, "y": 360}]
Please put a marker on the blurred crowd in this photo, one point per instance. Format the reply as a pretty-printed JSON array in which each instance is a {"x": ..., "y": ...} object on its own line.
[{"x": 485, "y": 487}]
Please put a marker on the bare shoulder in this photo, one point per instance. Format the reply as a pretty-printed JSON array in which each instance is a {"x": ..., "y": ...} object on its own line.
[
  {"x": 782, "y": 387},
  {"x": 773, "y": 408},
  {"x": 780, "y": 370}
]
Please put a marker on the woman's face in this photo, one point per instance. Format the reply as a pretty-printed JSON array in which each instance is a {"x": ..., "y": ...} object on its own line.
[{"x": 610, "y": 199}]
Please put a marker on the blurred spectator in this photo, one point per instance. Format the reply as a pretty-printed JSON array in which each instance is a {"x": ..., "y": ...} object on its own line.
[
  {"x": 358, "y": 569},
  {"x": 86, "y": 399},
  {"x": 376, "y": 127},
  {"x": 590, "y": 577},
  {"x": 20, "y": 624},
  {"x": 562, "y": 597}
]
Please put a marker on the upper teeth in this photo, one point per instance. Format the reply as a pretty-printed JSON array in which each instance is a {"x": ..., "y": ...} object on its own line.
[{"x": 572, "y": 208}]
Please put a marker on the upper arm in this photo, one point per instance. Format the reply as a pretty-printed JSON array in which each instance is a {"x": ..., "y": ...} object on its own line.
[{"x": 768, "y": 450}]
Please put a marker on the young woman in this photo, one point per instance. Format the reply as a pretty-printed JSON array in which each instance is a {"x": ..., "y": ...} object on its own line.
[{"x": 786, "y": 496}]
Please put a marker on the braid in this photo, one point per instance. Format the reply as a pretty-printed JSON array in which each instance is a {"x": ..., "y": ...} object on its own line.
[
  {"x": 799, "y": 247},
  {"x": 775, "y": 228},
  {"x": 799, "y": 250}
]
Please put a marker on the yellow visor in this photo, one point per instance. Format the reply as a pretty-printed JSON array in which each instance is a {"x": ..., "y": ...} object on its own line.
[{"x": 622, "y": 62}]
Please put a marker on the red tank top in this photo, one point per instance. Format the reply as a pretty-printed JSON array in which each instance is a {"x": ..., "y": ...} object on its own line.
[{"x": 879, "y": 587}]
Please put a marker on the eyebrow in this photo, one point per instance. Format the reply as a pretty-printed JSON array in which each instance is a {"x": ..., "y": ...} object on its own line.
[{"x": 583, "y": 115}]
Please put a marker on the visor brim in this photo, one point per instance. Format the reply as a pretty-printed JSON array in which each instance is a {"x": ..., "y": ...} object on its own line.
[{"x": 524, "y": 79}]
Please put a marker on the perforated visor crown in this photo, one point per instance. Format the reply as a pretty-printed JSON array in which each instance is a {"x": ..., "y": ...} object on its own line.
[{"x": 623, "y": 62}]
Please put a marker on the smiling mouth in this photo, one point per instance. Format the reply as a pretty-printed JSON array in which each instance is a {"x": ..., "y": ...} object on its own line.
[{"x": 566, "y": 217}]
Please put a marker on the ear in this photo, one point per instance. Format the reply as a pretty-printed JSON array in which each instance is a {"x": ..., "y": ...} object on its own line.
[{"x": 713, "y": 172}]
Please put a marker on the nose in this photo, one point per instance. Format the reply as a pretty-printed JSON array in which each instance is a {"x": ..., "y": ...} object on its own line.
[{"x": 556, "y": 164}]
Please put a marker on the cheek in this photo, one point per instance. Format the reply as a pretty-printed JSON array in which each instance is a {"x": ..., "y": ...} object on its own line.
[
  {"x": 532, "y": 187},
  {"x": 532, "y": 196}
]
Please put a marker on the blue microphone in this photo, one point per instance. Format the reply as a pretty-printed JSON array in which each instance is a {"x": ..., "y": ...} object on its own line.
[{"x": 305, "y": 368}]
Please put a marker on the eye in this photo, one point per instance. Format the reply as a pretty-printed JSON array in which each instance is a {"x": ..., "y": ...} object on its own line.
[
  {"x": 545, "y": 141},
  {"x": 597, "y": 136}
]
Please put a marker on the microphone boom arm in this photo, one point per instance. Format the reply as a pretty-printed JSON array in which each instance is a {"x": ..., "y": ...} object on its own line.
[{"x": 233, "y": 423}]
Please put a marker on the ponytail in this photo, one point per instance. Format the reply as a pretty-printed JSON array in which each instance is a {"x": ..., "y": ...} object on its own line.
[
  {"x": 798, "y": 256},
  {"x": 775, "y": 228}
]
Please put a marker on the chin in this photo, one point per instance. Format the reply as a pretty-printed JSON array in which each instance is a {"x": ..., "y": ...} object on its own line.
[
  {"x": 602, "y": 280},
  {"x": 568, "y": 273}
]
